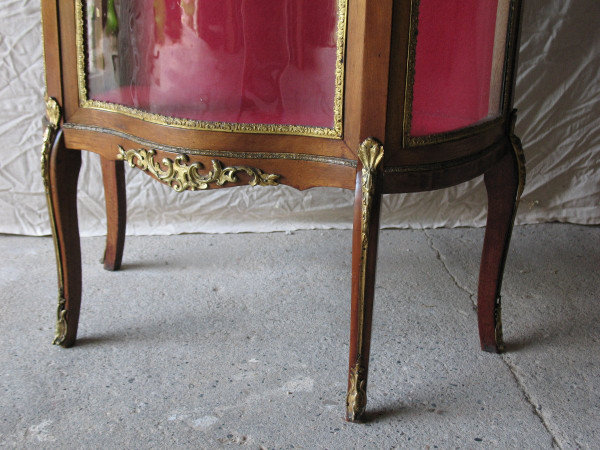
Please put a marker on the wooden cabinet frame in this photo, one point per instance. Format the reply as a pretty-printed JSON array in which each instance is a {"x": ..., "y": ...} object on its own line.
[{"x": 377, "y": 90}]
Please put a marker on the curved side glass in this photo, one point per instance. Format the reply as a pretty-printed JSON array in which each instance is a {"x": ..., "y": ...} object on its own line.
[
  {"x": 230, "y": 61},
  {"x": 459, "y": 64}
]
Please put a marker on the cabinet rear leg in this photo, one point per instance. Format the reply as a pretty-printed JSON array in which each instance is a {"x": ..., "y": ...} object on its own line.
[
  {"x": 113, "y": 176},
  {"x": 504, "y": 183}
]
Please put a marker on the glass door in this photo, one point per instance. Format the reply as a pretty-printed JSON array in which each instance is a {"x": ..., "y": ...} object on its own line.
[
  {"x": 458, "y": 64},
  {"x": 273, "y": 66}
]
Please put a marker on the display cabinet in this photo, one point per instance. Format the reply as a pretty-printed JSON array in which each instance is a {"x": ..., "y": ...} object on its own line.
[{"x": 206, "y": 94}]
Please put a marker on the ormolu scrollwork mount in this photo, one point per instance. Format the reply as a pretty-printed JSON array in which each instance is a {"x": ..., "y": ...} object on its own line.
[{"x": 377, "y": 76}]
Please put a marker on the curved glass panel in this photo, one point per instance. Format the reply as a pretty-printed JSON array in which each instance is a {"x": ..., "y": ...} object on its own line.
[
  {"x": 232, "y": 61},
  {"x": 459, "y": 64}
]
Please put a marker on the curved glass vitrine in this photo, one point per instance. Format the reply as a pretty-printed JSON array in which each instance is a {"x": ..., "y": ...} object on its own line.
[{"x": 207, "y": 94}]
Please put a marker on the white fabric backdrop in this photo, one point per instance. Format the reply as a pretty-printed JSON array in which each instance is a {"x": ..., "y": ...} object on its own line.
[{"x": 558, "y": 96}]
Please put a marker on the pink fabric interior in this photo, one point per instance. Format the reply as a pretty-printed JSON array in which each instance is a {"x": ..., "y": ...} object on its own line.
[
  {"x": 256, "y": 61},
  {"x": 453, "y": 65}
]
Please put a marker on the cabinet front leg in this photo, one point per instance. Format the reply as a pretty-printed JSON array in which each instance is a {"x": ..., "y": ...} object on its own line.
[
  {"x": 60, "y": 171},
  {"x": 113, "y": 176},
  {"x": 364, "y": 255},
  {"x": 504, "y": 183}
]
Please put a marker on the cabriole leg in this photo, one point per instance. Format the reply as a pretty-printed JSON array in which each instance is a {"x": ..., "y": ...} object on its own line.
[
  {"x": 504, "y": 183},
  {"x": 364, "y": 256},
  {"x": 113, "y": 176},
  {"x": 60, "y": 171}
]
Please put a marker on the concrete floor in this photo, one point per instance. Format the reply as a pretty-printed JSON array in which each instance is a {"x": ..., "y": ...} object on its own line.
[{"x": 210, "y": 341}]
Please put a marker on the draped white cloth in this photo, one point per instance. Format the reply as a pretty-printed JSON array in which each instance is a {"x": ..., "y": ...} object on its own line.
[{"x": 558, "y": 97}]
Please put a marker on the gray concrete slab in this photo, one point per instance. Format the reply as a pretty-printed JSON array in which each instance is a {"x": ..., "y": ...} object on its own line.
[
  {"x": 551, "y": 294},
  {"x": 211, "y": 341}
]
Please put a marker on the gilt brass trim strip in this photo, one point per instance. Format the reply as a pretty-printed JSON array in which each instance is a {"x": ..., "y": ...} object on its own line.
[
  {"x": 520, "y": 156},
  {"x": 223, "y": 154},
  {"x": 180, "y": 176},
  {"x": 445, "y": 164},
  {"x": 454, "y": 135},
  {"x": 81, "y": 52},
  {"x": 511, "y": 56},
  {"x": 340, "y": 68},
  {"x": 53, "y": 115},
  {"x": 409, "y": 82},
  {"x": 370, "y": 154},
  {"x": 338, "y": 107}
]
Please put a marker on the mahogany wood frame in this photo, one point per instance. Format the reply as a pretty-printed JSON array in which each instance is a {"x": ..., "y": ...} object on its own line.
[{"x": 375, "y": 87}]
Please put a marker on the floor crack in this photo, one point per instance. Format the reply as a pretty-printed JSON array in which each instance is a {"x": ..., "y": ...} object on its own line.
[
  {"x": 450, "y": 274},
  {"x": 535, "y": 409},
  {"x": 509, "y": 365}
]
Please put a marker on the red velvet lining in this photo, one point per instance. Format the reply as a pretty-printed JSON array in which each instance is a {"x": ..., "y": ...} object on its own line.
[
  {"x": 257, "y": 61},
  {"x": 453, "y": 65}
]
